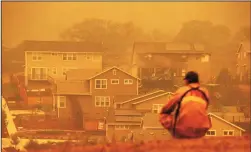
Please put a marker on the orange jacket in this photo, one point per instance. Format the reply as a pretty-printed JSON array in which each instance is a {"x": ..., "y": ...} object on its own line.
[{"x": 193, "y": 111}]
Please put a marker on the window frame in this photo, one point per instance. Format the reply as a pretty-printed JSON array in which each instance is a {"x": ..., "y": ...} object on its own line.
[
  {"x": 127, "y": 81},
  {"x": 114, "y": 72},
  {"x": 101, "y": 80},
  {"x": 37, "y": 55},
  {"x": 210, "y": 134},
  {"x": 54, "y": 71},
  {"x": 228, "y": 132},
  {"x": 69, "y": 56},
  {"x": 39, "y": 73},
  {"x": 121, "y": 127},
  {"x": 60, "y": 101},
  {"x": 114, "y": 80},
  {"x": 102, "y": 99}
]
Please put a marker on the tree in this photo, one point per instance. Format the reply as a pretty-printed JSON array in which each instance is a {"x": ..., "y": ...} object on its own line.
[
  {"x": 243, "y": 34},
  {"x": 224, "y": 77},
  {"x": 115, "y": 36},
  {"x": 203, "y": 32}
]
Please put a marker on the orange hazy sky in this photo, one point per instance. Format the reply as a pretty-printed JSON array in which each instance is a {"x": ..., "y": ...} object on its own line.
[{"x": 45, "y": 20}]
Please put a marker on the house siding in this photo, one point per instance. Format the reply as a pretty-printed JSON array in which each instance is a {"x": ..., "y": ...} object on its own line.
[
  {"x": 115, "y": 89},
  {"x": 119, "y": 134},
  {"x": 49, "y": 61},
  {"x": 45, "y": 100},
  {"x": 219, "y": 126}
]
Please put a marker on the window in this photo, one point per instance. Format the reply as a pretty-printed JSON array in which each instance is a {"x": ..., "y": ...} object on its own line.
[
  {"x": 121, "y": 127},
  {"x": 100, "y": 126},
  {"x": 128, "y": 81},
  {"x": 211, "y": 133},
  {"x": 38, "y": 73},
  {"x": 54, "y": 54},
  {"x": 114, "y": 72},
  {"x": 102, "y": 101},
  {"x": 183, "y": 72},
  {"x": 61, "y": 101},
  {"x": 205, "y": 58},
  {"x": 36, "y": 56},
  {"x": 69, "y": 56},
  {"x": 228, "y": 133},
  {"x": 54, "y": 70},
  {"x": 100, "y": 84},
  {"x": 156, "y": 108},
  {"x": 114, "y": 81}
]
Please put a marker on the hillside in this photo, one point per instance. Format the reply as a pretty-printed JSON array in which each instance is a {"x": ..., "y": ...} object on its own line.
[{"x": 209, "y": 144}]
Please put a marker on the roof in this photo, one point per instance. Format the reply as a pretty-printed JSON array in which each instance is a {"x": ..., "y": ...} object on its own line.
[
  {"x": 168, "y": 47},
  {"x": 131, "y": 119},
  {"x": 122, "y": 115},
  {"x": 154, "y": 97},
  {"x": 112, "y": 69},
  {"x": 227, "y": 122},
  {"x": 81, "y": 74},
  {"x": 122, "y": 112},
  {"x": 61, "y": 46},
  {"x": 73, "y": 87},
  {"x": 141, "y": 97}
]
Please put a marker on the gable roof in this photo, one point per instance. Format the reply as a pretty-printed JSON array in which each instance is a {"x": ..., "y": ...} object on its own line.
[
  {"x": 157, "y": 96},
  {"x": 227, "y": 122},
  {"x": 61, "y": 46},
  {"x": 168, "y": 47},
  {"x": 142, "y": 96},
  {"x": 112, "y": 69},
  {"x": 81, "y": 74}
]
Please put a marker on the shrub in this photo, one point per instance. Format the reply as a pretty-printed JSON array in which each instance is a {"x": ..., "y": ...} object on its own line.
[{"x": 32, "y": 145}]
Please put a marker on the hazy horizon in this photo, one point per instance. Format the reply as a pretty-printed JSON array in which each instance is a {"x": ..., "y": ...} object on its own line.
[{"x": 46, "y": 20}]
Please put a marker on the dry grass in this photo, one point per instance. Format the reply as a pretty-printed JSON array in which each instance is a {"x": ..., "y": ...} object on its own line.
[{"x": 212, "y": 144}]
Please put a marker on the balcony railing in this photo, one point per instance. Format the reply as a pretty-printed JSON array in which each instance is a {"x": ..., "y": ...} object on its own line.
[{"x": 37, "y": 77}]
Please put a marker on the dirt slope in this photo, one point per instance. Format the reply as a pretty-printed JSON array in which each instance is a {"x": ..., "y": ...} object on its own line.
[{"x": 212, "y": 144}]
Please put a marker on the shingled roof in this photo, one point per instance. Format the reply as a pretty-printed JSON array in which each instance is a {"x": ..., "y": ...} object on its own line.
[
  {"x": 168, "y": 47},
  {"x": 61, "y": 46}
]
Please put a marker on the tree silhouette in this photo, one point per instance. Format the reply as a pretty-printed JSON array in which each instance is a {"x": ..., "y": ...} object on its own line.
[{"x": 204, "y": 32}]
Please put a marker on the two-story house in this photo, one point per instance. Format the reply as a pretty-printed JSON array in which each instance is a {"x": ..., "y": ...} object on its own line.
[
  {"x": 243, "y": 62},
  {"x": 130, "y": 115},
  {"x": 88, "y": 95},
  {"x": 169, "y": 61},
  {"x": 46, "y": 60}
]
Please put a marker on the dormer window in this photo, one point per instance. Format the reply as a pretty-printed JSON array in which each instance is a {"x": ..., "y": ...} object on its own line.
[{"x": 114, "y": 72}]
